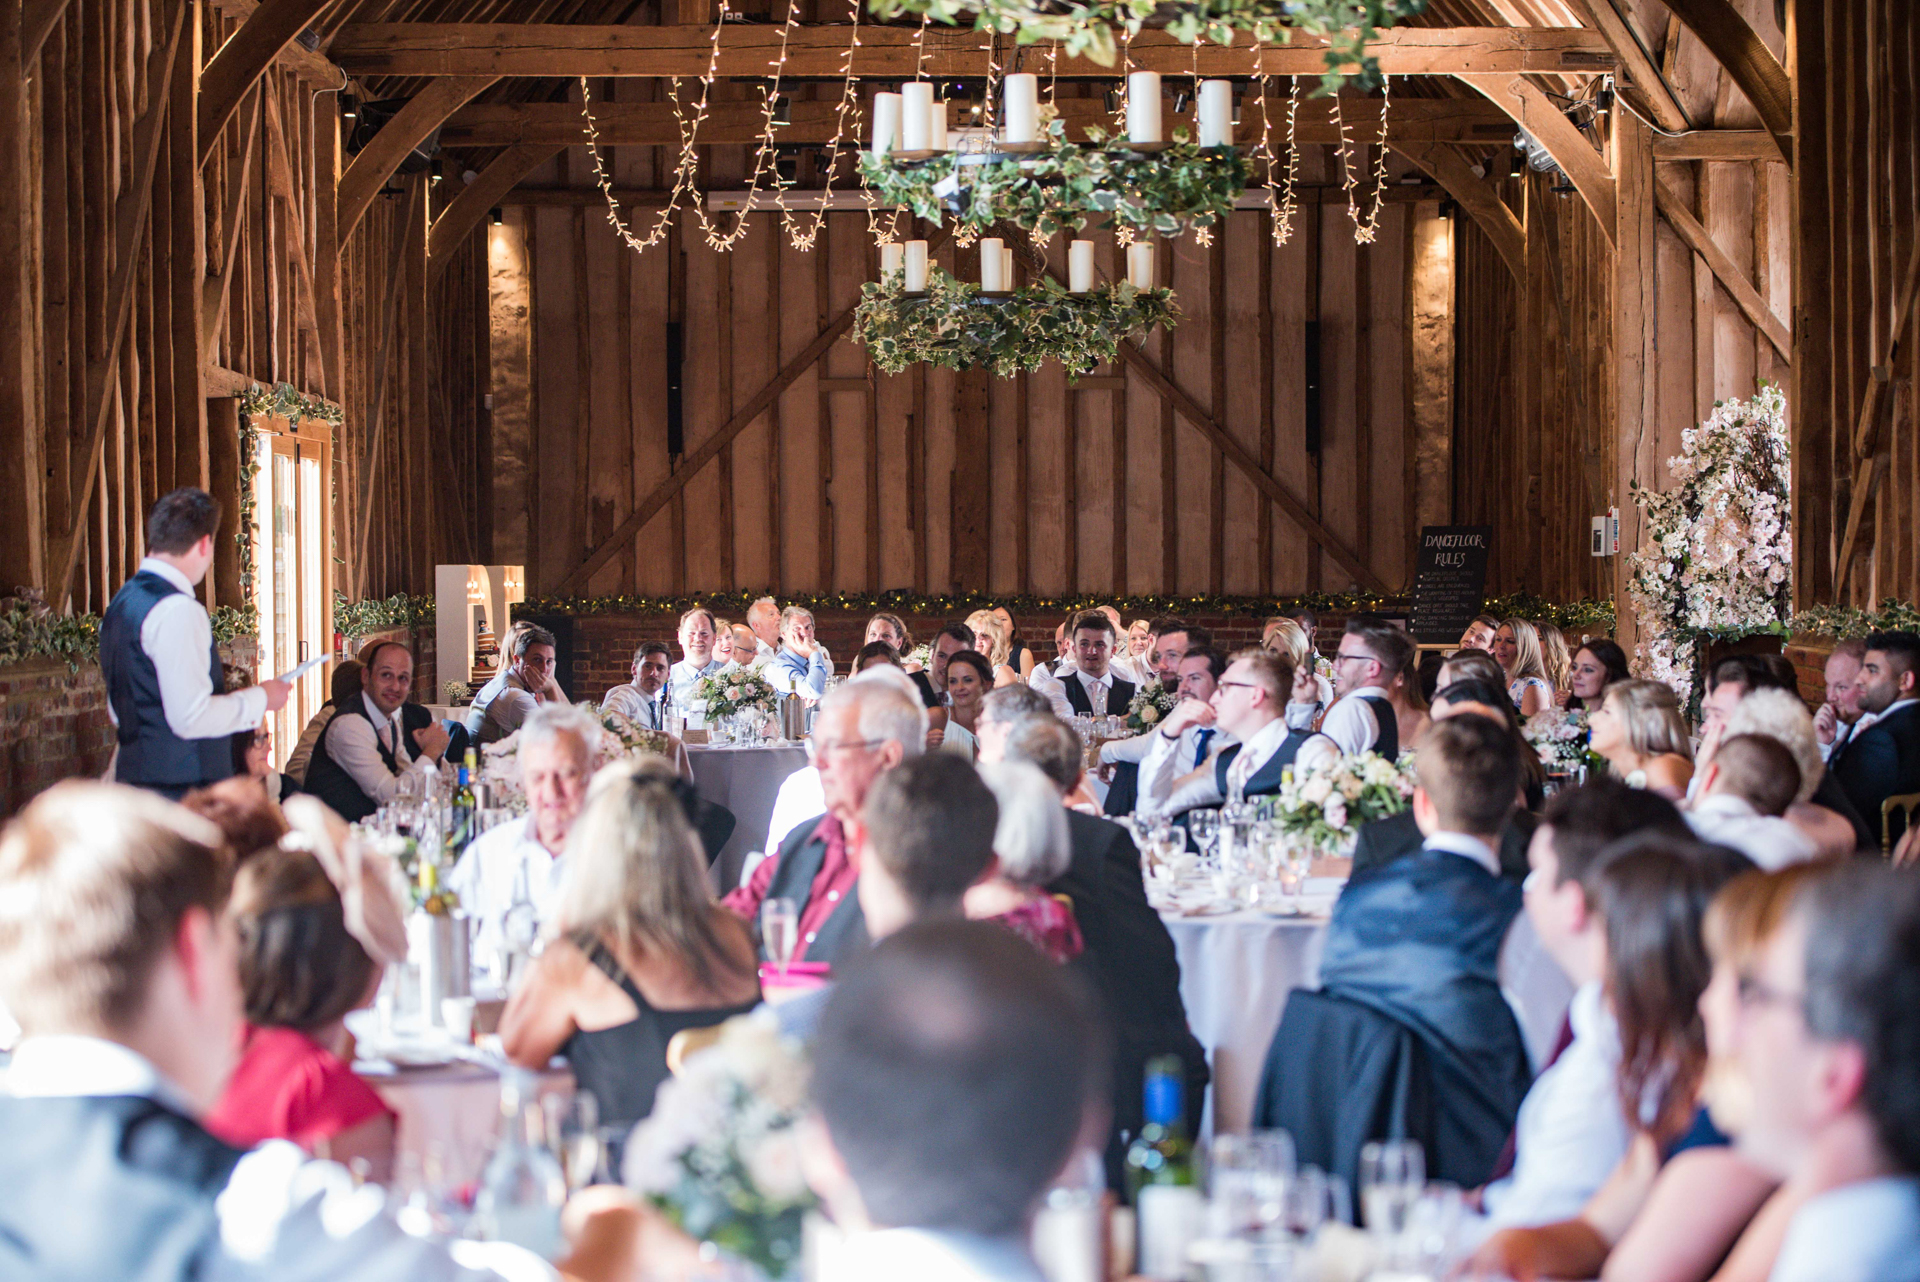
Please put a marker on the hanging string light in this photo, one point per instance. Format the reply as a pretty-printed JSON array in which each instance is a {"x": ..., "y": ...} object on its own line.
[
  {"x": 1364, "y": 230},
  {"x": 805, "y": 237}
]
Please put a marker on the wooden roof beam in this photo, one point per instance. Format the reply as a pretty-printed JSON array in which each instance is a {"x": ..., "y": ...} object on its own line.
[
  {"x": 379, "y": 159},
  {"x": 1637, "y": 67},
  {"x": 1577, "y": 158},
  {"x": 1745, "y": 296},
  {"x": 500, "y": 176},
  {"x": 1501, "y": 225},
  {"x": 653, "y": 124},
  {"x": 507, "y": 49},
  {"x": 247, "y": 54},
  {"x": 1739, "y": 48}
]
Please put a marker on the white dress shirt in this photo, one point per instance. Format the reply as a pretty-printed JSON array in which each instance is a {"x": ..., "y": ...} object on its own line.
[
  {"x": 177, "y": 636},
  {"x": 1349, "y": 723},
  {"x": 648, "y": 711},
  {"x": 282, "y": 1217},
  {"x": 1570, "y": 1133},
  {"x": 1097, "y": 689},
  {"x": 800, "y": 800},
  {"x": 682, "y": 678},
  {"x": 488, "y": 871},
  {"x": 508, "y": 711},
  {"x": 1730, "y": 820},
  {"x": 1864, "y": 1232},
  {"x": 1459, "y": 843},
  {"x": 1046, "y": 682},
  {"x": 354, "y": 744},
  {"x": 1165, "y": 763},
  {"x": 888, "y": 1255},
  {"x": 1843, "y": 733}
]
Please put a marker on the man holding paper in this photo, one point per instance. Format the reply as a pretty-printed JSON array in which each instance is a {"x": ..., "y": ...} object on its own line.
[{"x": 173, "y": 722}]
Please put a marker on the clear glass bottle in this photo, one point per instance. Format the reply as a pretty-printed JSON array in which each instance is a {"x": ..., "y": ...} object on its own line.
[
  {"x": 1160, "y": 1174},
  {"x": 523, "y": 1187}
]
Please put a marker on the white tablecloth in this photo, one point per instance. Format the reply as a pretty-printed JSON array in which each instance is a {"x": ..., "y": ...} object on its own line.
[
  {"x": 451, "y": 1112},
  {"x": 1237, "y": 969},
  {"x": 745, "y": 781}
]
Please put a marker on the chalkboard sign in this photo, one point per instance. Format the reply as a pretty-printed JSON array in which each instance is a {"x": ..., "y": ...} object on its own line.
[{"x": 1451, "y": 581}]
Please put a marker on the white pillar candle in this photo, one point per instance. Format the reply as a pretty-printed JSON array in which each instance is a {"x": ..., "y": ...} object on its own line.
[
  {"x": 1140, "y": 264},
  {"x": 916, "y": 116},
  {"x": 1079, "y": 266},
  {"x": 991, "y": 264},
  {"x": 1023, "y": 107},
  {"x": 1143, "y": 106},
  {"x": 1216, "y": 113},
  {"x": 916, "y": 267},
  {"x": 890, "y": 255},
  {"x": 1006, "y": 268},
  {"x": 886, "y": 122},
  {"x": 939, "y": 126}
]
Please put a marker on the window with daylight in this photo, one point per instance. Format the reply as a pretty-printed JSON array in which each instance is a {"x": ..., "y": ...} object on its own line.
[{"x": 292, "y": 567}]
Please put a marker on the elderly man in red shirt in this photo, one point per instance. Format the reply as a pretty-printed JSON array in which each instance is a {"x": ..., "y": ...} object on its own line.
[{"x": 863, "y": 729}]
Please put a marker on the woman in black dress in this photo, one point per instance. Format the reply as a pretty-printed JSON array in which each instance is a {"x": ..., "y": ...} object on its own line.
[{"x": 638, "y": 950}]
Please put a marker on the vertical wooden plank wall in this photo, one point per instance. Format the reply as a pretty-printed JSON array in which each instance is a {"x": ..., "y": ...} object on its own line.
[{"x": 1037, "y": 484}]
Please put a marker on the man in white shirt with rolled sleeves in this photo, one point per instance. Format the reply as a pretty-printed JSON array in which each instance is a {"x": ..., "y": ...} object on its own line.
[
  {"x": 1198, "y": 677},
  {"x": 172, "y": 723},
  {"x": 1372, "y": 652},
  {"x": 644, "y": 700},
  {"x": 696, "y": 643},
  {"x": 374, "y": 743}
]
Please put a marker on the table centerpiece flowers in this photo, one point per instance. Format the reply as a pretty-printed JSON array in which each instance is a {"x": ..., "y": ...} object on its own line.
[{"x": 1323, "y": 808}]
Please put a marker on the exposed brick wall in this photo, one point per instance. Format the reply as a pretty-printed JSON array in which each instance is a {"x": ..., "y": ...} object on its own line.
[
  {"x": 424, "y": 647},
  {"x": 603, "y": 644},
  {"x": 54, "y": 726}
]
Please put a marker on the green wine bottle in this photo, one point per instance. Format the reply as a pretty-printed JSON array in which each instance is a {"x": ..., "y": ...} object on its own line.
[
  {"x": 1160, "y": 1174},
  {"x": 463, "y": 815}
]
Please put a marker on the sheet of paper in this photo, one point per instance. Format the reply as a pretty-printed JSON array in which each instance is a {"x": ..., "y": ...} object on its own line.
[{"x": 294, "y": 674}]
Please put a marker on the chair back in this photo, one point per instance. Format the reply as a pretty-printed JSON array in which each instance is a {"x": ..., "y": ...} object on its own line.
[
  {"x": 1906, "y": 803},
  {"x": 688, "y": 1042}
]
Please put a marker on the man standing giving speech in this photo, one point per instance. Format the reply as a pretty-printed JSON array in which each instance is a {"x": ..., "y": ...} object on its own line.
[{"x": 173, "y": 723}]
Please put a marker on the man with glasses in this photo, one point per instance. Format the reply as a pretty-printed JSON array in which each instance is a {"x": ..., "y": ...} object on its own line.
[
  {"x": 1249, "y": 703},
  {"x": 1372, "y": 652},
  {"x": 1197, "y": 677},
  {"x": 863, "y": 729},
  {"x": 1826, "y": 1035}
]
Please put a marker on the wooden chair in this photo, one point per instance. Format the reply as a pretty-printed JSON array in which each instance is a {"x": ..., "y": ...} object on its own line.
[
  {"x": 687, "y": 1042},
  {"x": 1907, "y": 804}
]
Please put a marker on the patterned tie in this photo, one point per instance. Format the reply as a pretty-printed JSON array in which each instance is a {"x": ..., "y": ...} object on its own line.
[{"x": 1200, "y": 739}]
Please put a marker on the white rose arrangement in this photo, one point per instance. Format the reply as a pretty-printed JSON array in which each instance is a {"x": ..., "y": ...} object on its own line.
[
  {"x": 1560, "y": 737},
  {"x": 1326, "y": 806},
  {"x": 735, "y": 690},
  {"x": 720, "y": 1155},
  {"x": 1149, "y": 707}
]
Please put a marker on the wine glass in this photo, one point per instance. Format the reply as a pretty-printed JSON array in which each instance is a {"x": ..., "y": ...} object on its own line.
[
  {"x": 780, "y": 931},
  {"x": 574, "y": 1132},
  {"x": 1392, "y": 1175},
  {"x": 1203, "y": 829}
]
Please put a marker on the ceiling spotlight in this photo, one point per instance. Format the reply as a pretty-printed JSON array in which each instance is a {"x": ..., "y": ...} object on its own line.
[
  {"x": 1180, "y": 103},
  {"x": 349, "y": 106},
  {"x": 1562, "y": 186},
  {"x": 783, "y": 110},
  {"x": 1448, "y": 209},
  {"x": 438, "y": 170},
  {"x": 1113, "y": 101},
  {"x": 1539, "y": 159},
  {"x": 499, "y": 217}
]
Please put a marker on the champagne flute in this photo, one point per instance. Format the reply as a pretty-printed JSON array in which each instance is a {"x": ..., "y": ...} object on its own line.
[
  {"x": 1392, "y": 1175},
  {"x": 780, "y": 931}
]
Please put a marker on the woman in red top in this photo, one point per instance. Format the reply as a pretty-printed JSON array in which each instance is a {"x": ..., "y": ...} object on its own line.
[
  {"x": 1031, "y": 847},
  {"x": 300, "y": 973}
]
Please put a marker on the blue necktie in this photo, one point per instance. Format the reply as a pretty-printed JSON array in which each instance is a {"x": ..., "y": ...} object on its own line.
[{"x": 1200, "y": 745}]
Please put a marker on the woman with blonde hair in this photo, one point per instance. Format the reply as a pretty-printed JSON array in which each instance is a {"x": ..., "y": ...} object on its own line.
[
  {"x": 638, "y": 949},
  {"x": 1639, "y": 730},
  {"x": 1554, "y": 656},
  {"x": 1516, "y": 647},
  {"x": 1284, "y": 636},
  {"x": 992, "y": 638}
]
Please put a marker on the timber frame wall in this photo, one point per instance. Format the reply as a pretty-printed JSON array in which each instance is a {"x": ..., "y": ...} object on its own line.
[{"x": 179, "y": 217}]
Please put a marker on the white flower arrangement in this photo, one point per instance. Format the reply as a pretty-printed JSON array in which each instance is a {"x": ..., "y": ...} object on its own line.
[
  {"x": 1150, "y": 706},
  {"x": 1560, "y": 736},
  {"x": 734, "y": 690},
  {"x": 619, "y": 738},
  {"x": 1719, "y": 556},
  {"x": 720, "y": 1154},
  {"x": 1327, "y": 806}
]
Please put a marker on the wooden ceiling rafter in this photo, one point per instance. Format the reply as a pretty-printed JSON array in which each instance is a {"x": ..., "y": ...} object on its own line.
[
  {"x": 500, "y": 177},
  {"x": 37, "y": 22},
  {"x": 1501, "y": 225},
  {"x": 512, "y": 49},
  {"x": 244, "y": 58},
  {"x": 1638, "y": 70},
  {"x": 1577, "y": 157},
  {"x": 1739, "y": 49},
  {"x": 381, "y": 158}
]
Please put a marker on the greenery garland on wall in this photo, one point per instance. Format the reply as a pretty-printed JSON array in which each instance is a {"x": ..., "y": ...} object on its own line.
[
  {"x": 29, "y": 631},
  {"x": 1094, "y": 29},
  {"x": 1579, "y": 617},
  {"x": 955, "y": 326},
  {"x": 282, "y": 400},
  {"x": 1055, "y": 190},
  {"x": 364, "y": 618},
  {"x": 1841, "y": 622}
]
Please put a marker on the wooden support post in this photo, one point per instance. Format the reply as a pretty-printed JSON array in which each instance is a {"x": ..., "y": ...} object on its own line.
[
  {"x": 246, "y": 55},
  {"x": 971, "y": 532},
  {"x": 22, "y": 469},
  {"x": 1635, "y": 332},
  {"x": 215, "y": 287},
  {"x": 188, "y": 216}
]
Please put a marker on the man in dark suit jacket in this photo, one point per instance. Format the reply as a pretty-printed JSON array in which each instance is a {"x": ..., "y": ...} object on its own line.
[
  {"x": 1883, "y": 760},
  {"x": 1129, "y": 958}
]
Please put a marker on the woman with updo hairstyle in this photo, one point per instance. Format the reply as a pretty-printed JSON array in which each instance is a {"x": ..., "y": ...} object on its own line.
[
  {"x": 1639, "y": 730},
  {"x": 301, "y": 972}
]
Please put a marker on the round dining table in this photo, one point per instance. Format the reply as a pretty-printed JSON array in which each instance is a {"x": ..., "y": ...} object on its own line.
[{"x": 745, "y": 780}]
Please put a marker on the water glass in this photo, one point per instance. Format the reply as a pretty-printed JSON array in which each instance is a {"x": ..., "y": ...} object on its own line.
[
  {"x": 1248, "y": 1177},
  {"x": 780, "y": 930},
  {"x": 574, "y": 1133},
  {"x": 1203, "y": 830},
  {"x": 1312, "y": 1198},
  {"x": 1392, "y": 1175}
]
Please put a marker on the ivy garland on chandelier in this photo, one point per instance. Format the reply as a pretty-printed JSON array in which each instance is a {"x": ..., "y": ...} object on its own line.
[
  {"x": 1054, "y": 190},
  {"x": 956, "y": 326},
  {"x": 1096, "y": 29}
]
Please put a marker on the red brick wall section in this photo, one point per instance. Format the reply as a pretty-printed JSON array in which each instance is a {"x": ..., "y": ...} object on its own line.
[
  {"x": 54, "y": 726},
  {"x": 422, "y": 643},
  {"x": 603, "y": 644}
]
